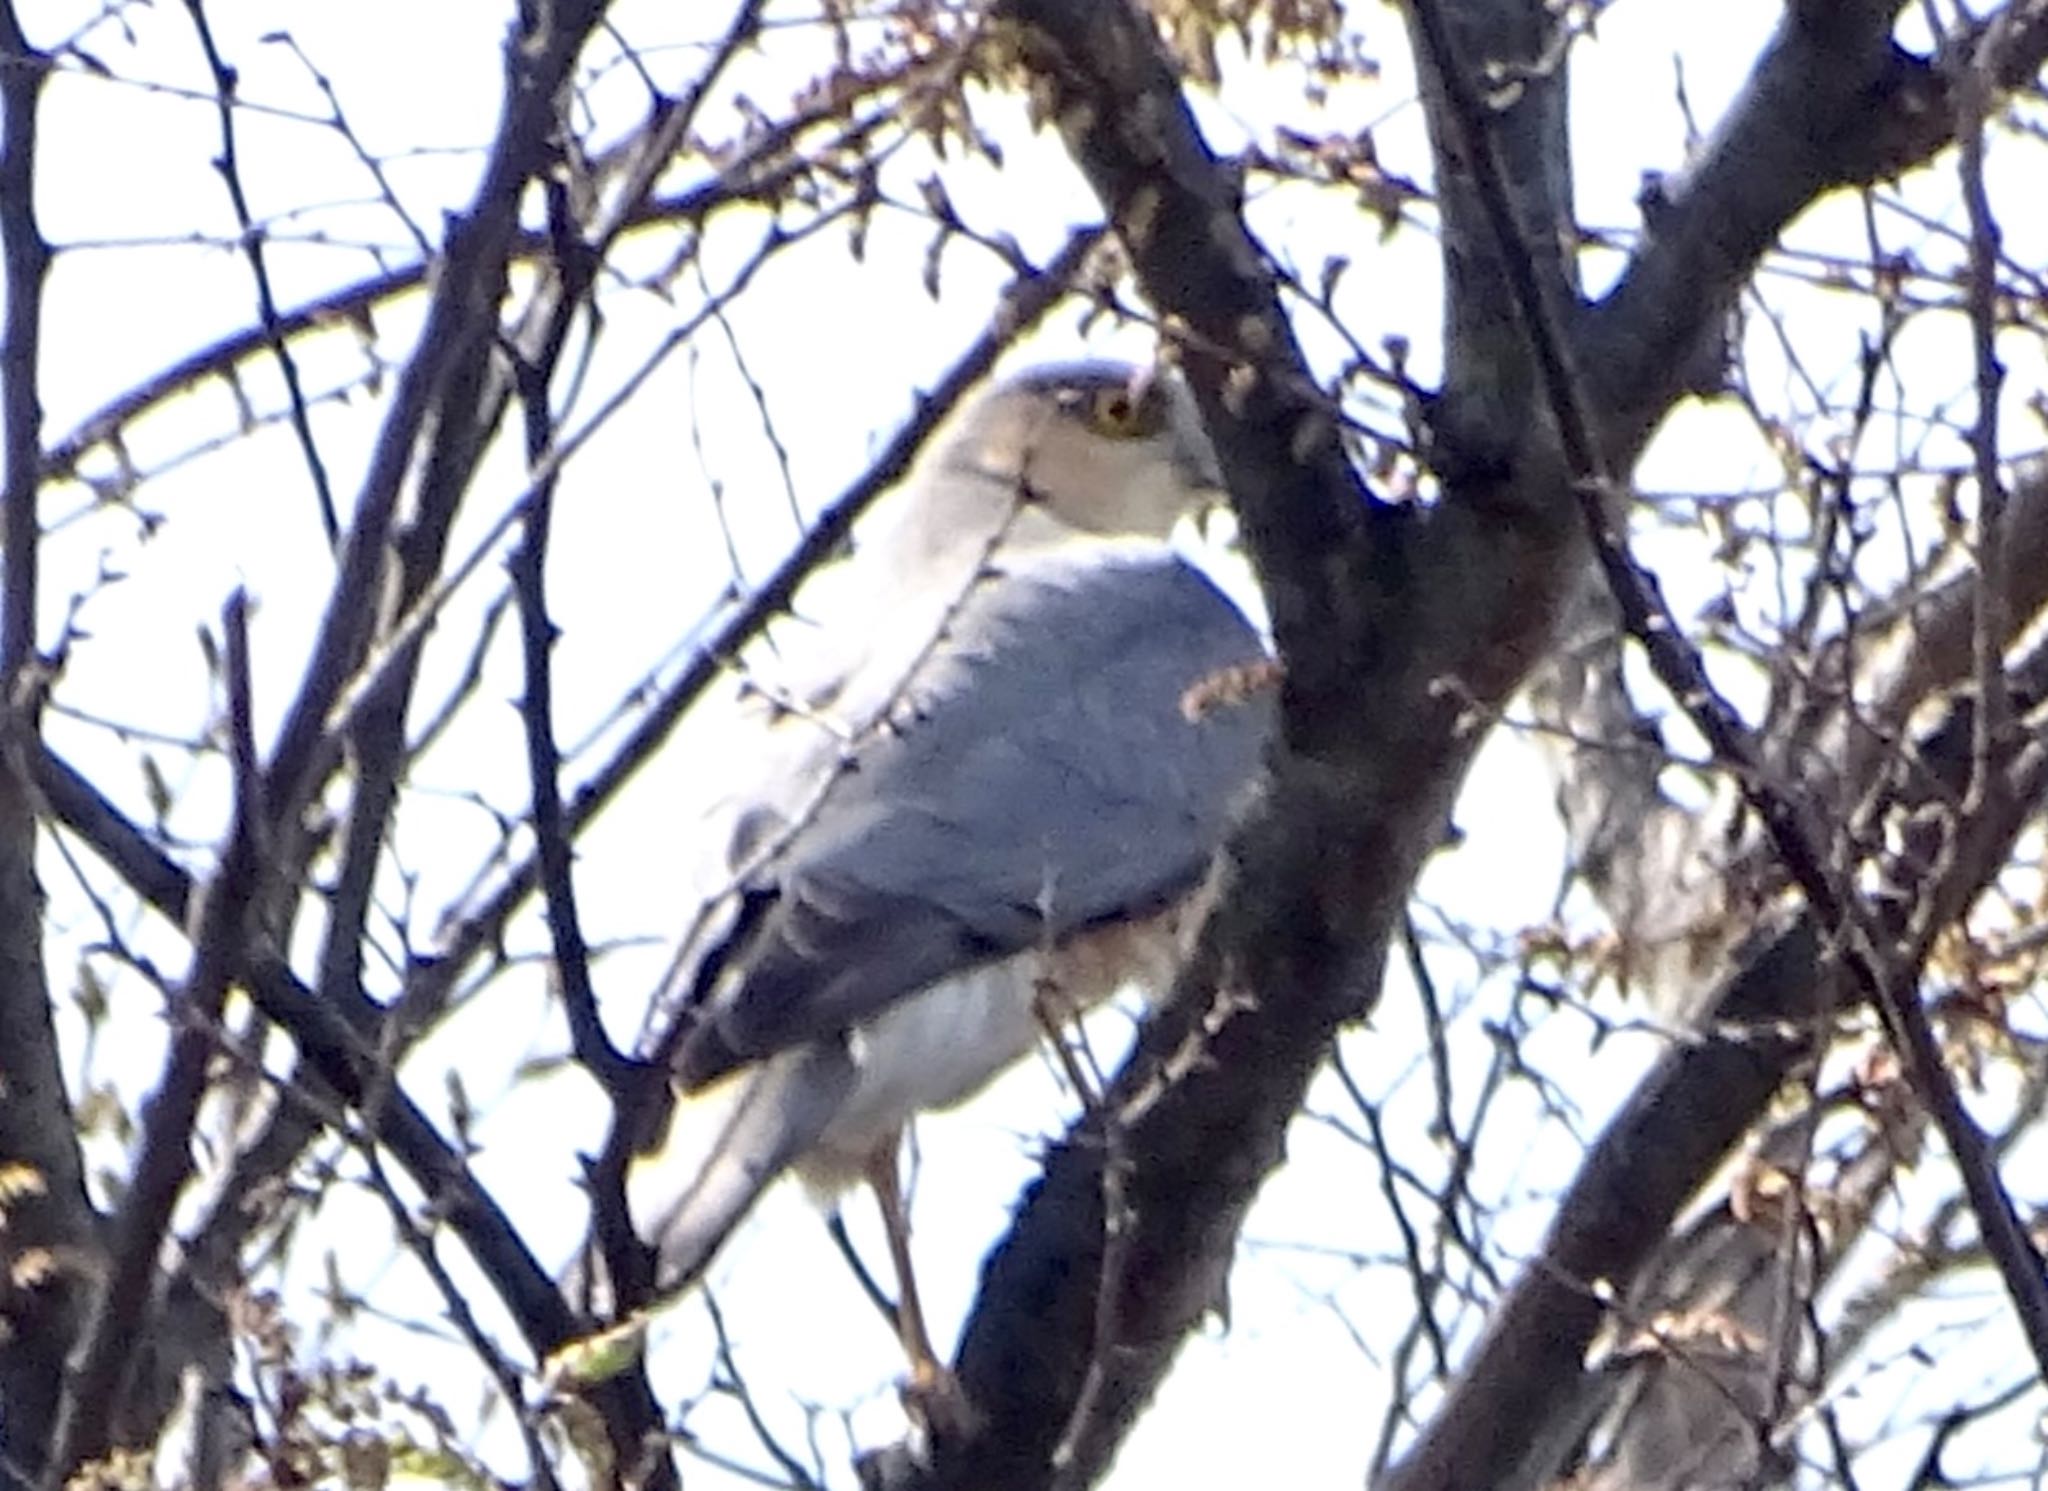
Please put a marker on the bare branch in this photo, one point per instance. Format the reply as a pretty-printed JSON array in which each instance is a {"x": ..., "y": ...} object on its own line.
[
  {"x": 50, "y": 1225},
  {"x": 96, "y": 1387},
  {"x": 1832, "y": 102},
  {"x": 225, "y": 85},
  {"x": 460, "y": 324},
  {"x": 1883, "y": 971},
  {"x": 529, "y": 579}
]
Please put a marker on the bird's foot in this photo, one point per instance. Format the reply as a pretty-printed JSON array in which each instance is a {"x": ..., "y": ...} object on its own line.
[{"x": 937, "y": 1404}]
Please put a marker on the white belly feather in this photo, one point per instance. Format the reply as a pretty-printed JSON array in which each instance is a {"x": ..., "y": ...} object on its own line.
[{"x": 945, "y": 1043}]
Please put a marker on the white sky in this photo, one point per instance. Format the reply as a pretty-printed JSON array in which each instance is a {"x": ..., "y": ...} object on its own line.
[{"x": 840, "y": 347}]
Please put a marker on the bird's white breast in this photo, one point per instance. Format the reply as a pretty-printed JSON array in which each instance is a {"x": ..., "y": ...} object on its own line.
[{"x": 945, "y": 1043}]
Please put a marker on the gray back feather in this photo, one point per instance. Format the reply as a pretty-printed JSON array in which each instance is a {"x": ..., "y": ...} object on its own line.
[{"x": 1038, "y": 776}]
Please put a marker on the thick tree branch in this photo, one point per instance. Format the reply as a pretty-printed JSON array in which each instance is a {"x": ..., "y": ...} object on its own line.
[
  {"x": 25, "y": 260},
  {"x": 1518, "y": 170},
  {"x": 47, "y": 1242},
  {"x": 1401, "y": 632},
  {"x": 1832, "y": 102},
  {"x": 1675, "y": 1129},
  {"x": 1884, "y": 967},
  {"x": 1712, "y": 1355},
  {"x": 1418, "y": 610}
]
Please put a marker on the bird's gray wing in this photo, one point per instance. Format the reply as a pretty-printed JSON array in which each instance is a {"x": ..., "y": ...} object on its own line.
[{"x": 1042, "y": 774}]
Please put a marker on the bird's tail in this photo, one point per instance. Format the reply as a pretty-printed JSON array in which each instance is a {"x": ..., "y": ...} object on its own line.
[{"x": 783, "y": 1108}]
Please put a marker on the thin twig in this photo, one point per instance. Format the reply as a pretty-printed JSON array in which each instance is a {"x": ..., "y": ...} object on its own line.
[
  {"x": 366, "y": 158},
  {"x": 399, "y": 641},
  {"x": 225, "y": 83},
  {"x": 528, "y": 565},
  {"x": 420, "y": 1243},
  {"x": 800, "y": 1478}
]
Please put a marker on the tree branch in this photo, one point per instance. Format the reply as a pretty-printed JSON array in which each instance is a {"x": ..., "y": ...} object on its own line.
[
  {"x": 1099, "y": 72},
  {"x": 1518, "y": 170},
  {"x": 1880, "y": 963},
  {"x": 1673, "y": 1132},
  {"x": 95, "y": 1389},
  {"x": 49, "y": 1236},
  {"x": 454, "y": 339},
  {"x": 1884, "y": 967},
  {"x": 225, "y": 84},
  {"x": 1832, "y": 102},
  {"x": 1401, "y": 631}
]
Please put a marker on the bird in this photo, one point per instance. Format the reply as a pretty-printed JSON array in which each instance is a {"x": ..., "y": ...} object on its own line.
[{"x": 984, "y": 792}]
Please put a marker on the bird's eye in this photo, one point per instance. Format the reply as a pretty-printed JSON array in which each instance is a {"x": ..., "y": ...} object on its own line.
[{"x": 1124, "y": 413}]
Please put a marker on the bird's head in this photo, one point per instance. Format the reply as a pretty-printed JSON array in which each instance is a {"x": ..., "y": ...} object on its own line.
[{"x": 1102, "y": 447}]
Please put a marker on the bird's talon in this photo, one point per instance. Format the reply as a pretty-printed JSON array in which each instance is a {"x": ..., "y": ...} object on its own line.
[{"x": 937, "y": 1404}]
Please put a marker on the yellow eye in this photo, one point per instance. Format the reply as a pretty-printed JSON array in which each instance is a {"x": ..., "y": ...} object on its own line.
[{"x": 1124, "y": 413}]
